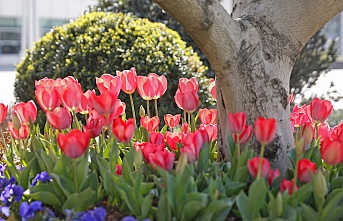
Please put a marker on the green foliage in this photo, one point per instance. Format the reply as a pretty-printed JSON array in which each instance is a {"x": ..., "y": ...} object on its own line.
[
  {"x": 99, "y": 43},
  {"x": 313, "y": 61}
]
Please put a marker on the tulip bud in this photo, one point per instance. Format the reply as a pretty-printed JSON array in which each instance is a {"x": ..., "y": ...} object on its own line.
[
  {"x": 141, "y": 111},
  {"x": 320, "y": 185},
  {"x": 279, "y": 204},
  {"x": 300, "y": 145}
]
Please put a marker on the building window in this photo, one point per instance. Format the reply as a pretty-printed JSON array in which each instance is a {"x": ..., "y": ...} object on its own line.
[{"x": 10, "y": 35}]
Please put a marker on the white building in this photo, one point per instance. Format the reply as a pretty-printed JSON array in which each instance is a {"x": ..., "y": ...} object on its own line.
[{"x": 23, "y": 21}]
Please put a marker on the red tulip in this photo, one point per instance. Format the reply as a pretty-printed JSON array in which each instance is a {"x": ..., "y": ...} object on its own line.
[
  {"x": 151, "y": 124},
  {"x": 21, "y": 133},
  {"x": 320, "y": 110},
  {"x": 119, "y": 170},
  {"x": 156, "y": 138},
  {"x": 253, "y": 167},
  {"x": 323, "y": 131},
  {"x": 163, "y": 159},
  {"x": 151, "y": 86},
  {"x": 208, "y": 116},
  {"x": 59, "y": 118},
  {"x": 212, "y": 88},
  {"x": 287, "y": 185},
  {"x": 3, "y": 112},
  {"x": 236, "y": 122},
  {"x": 185, "y": 128},
  {"x": 193, "y": 143},
  {"x": 272, "y": 175},
  {"x": 244, "y": 136},
  {"x": 304, "y": 168},
  {"x": 105, "y": 103},
  {"x": 109, "y": 83},
  {"x": 128, "y": 79},
  {"x": 188, "y": 84},
  {"x": 172, "y": 139},
  {"x": 48, "y": 98},
  {"x": 74, "y": 143},
  {"x": 187, "y": 101},
  {"x": 123, "y": 131},
  {"x": 26, "y": 112},
  {"x": 172, "y": 121},
  {"x": 94, "y": 124},
  {"x": 71, "y": 94},
  {"x": 265, "y": 129},
  {"x": 331, "y": 151}
]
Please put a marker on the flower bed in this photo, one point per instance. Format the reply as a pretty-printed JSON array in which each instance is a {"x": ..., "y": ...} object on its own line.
[{"x": 110, "y": 168}]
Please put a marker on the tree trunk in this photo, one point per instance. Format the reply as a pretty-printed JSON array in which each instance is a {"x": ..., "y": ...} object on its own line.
[{"x": 252, "y": 53}]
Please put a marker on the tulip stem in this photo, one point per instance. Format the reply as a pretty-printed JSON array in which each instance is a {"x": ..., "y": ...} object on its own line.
[
  {"x": 156, "y": 110},
  {"x": 147, "y": 107},
  {"x": 185, "y": 115},
  {"x": 296, "y": 172},
  {"x": 238, "y": 150},
  {"x": 3, "y": 138},
  {"x": 189, "y": 119},
  {"x": 75, "y": 176},
  {"x": 261, "y": 158},
  {"x": 133, "y": 109}
]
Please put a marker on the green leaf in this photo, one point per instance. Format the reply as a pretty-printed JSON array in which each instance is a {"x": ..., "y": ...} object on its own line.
[
  {"x": 244, "y": 206},
  {"x": 216, "y": 210},
  {"x": 80, "y": 201},
  {"x": 257, "y": 195},
  {"x": 163, "y": 208},
  {"x": 91, "y": 181},
  {"x": 203, "y": 159},
  {"x": 333, "y": 202},
  {"x": 231, "y": 147},
  {"x": 336, "y": 183},
  {"x": 303, "y": 193},
  {"x": 232, "y": 188},
  {"x": 316, "y": 157},
  {"x": 24, "y": 175},
  {"x": 47, "y": 198},
  {"x": 66, "y": 185},
  {"x": 242, "y": 175},
  {"x": 292, "y": 156},
  {"x": 191, "y": 210},
  {"x": 82, "y": 169},
  {"x": 146, "y": 205}
]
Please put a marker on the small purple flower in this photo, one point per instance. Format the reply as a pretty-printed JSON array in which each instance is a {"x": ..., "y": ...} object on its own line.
[
  {"x": 11, "y": 193},
  {"x": 42, "y": 177},
  {"x": 4, "y": 182},
  {"x": 2, "y": 170},
  {"x": 98, "y": 214},
  {"x": 131, "y": 218},
  {"x": 5, "y": 210},
  {"x": 18, "y": 167},
  {"x": 27, "y": 211}
]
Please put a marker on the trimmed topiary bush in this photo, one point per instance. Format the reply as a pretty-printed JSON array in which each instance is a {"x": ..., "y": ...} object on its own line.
[{"x": 98, "y": 43}]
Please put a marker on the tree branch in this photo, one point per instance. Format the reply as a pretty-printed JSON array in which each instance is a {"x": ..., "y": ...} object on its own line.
[
  {"x": 209, "y": 24},
  {"x": 297, "y": 19}
]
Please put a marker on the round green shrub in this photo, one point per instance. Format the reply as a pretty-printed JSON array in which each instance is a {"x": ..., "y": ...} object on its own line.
[{"x": 98, "y": 43}]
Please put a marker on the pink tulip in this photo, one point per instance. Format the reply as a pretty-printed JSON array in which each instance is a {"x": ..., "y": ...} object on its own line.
[
  {"x": 208, "y": 116},
  {"x": 59, "y": 118},
  {"x": 21, "y": 133},
  {"x": 244, "y": 135},
  {"x": 188, "y": 84},
  {"x": 26, "y": 112},
  {"x": 94, "y": 124},
  {"x": 3, "y": 112},
  {"x": 156, "y": 138},
  {"x": 163, "y": 159},
  {"x": 128, "y": 79},
  {"x": 150, "y": 124},
  {"x": 151, "y": 86},
  {"x": 105, "y": 103},
  {"x": 172, "y": 121},
  {"x": 331, "y": 151},
  {"x": 48, "y": 98},
  {"x": 287, "y": 185},
  {"x": 211, "y": 129},
  {"x": 109, "y": 83},
  {"x": 172, "y": 139},
  {"x": 71, "y": 94},
  {"x": 187, "y": 101}
]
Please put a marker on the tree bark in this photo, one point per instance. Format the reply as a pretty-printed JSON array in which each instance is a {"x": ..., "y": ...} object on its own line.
[{"x": 252, "y": 52}]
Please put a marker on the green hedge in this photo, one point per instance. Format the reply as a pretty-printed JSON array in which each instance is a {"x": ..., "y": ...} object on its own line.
[{"x": 98, "y": 43}]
